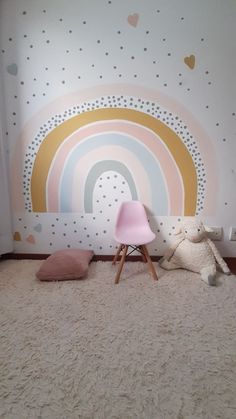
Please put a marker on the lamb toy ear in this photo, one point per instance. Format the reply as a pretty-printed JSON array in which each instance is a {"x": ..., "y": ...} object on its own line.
[
  {"x": 178, "y": 231},
  {"x": 208, "y": 229}
]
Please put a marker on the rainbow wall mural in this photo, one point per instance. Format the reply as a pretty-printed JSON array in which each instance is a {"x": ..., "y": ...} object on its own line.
[
  {"x": 152, "y": 149},
  {"x": 145, "y": 150}
]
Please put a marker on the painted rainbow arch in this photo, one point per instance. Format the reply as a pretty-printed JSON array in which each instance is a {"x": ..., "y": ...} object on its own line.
[
  {"x": 158, "y": 167},
  {"x": 123, "y": 149}
]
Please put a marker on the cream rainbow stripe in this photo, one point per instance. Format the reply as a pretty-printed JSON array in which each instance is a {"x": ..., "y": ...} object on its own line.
[{"x": 55, "y": 138}]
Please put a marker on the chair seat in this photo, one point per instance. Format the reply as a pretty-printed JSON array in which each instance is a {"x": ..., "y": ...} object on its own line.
[{"x": 134, "y": 236}]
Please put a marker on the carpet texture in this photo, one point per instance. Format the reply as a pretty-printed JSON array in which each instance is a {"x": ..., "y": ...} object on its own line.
[{"x": 91, "y": 349}]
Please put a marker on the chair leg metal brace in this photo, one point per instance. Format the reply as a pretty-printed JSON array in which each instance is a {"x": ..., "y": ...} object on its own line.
[{"x": 145, "y": 256}]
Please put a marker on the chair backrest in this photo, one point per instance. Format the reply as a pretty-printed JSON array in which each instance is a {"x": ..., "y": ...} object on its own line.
[{"x": 131, "y": 213}]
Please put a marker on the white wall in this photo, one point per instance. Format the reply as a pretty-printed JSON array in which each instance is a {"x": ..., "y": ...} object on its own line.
[
  {"x": 6, "y": 242},
  {"x": 173, "y": 60}
]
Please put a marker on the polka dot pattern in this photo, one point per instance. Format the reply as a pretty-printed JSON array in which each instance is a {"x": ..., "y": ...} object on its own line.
[{"x": 85, "y": 231}]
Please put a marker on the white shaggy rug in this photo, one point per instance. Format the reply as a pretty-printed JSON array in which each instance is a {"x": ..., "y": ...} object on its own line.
[{"x": 91, "y": 349}]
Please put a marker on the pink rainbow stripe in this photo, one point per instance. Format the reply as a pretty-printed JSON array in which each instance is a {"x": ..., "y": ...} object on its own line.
[{"x": 148, "y": 138}]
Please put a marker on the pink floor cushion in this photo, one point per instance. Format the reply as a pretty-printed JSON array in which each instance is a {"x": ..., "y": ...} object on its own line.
[{"x": 65, "y": 264}]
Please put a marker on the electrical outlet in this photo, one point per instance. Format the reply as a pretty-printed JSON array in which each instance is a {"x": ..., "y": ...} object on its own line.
[
  {"x": 216, "y": 233},
  {"x": 232, "y": 234}
]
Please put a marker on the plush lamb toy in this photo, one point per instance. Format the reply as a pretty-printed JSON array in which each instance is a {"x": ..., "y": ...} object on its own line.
[{"x": 195, "y": 252}]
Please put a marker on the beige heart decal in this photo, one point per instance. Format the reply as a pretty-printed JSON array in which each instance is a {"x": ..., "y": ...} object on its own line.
[
  {"x": 30, "y": 239},
  {"x": 17, "y": 236},
  {"x": 190, "y": 61},
  {"x": 133, "y": 19}
]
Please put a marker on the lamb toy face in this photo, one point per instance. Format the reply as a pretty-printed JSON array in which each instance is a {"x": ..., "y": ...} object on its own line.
[
  {"x": 194, "y": 251},
  {"x": 193, "y": 231}
]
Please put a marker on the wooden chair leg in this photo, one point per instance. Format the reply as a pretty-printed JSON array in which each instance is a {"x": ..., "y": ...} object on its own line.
[
  {"x": 125, "y": 248},
  {"x": 117, "y": 254},
  {"x": 150, "y": 264},
  {"x": 143, "y": 254}
]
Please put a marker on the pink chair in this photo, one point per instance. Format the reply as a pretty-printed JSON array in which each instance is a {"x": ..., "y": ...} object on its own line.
[{"x": 132, "y": 229}]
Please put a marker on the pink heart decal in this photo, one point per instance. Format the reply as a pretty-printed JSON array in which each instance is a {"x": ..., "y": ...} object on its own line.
[
  {"x": 30, "y": 239},
  {"x": 133, "y": 19}
]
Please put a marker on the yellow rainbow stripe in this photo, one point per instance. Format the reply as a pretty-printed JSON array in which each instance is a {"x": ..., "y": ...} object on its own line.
[{"x": 55, "y": 138}]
